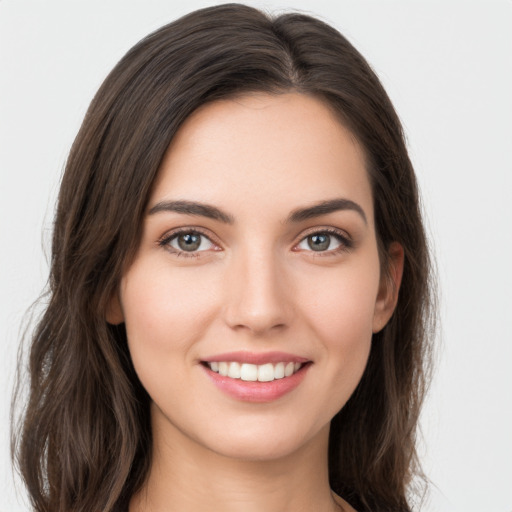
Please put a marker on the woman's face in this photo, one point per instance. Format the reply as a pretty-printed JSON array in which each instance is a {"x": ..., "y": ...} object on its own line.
[{"x": 258, "y": 260}]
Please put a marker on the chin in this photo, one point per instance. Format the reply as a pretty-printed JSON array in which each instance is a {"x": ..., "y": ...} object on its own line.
[{"x": 265, "y": 442}]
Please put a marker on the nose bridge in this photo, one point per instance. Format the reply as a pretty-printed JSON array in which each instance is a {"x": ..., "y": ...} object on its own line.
[{"x": 257, "y": 298}]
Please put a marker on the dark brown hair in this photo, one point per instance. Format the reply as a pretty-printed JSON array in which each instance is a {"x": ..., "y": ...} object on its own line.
[{"x": 84, "y": 440}]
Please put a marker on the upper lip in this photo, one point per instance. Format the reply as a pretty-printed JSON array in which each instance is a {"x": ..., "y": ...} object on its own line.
[{"x": 256, "y": 357}]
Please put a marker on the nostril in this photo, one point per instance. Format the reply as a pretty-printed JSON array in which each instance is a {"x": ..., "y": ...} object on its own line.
[{"x": 259, "y": 327}]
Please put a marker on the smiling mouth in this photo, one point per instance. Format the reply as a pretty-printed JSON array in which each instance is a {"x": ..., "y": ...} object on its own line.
[{"x": 254, "y": 372}]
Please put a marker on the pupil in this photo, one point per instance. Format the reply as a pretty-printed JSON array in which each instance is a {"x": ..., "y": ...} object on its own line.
[
  {"x": 189, "y": 241},
  {"x": 319, "y": 242}
]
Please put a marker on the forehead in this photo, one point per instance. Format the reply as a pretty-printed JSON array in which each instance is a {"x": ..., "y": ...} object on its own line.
[{"x": 260, "y": 147}]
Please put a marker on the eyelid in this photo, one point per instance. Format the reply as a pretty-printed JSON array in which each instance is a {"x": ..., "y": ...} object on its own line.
[
  {"x": 342, "y": 236},
  {"x": 164, "y": 240},
  {"x": 346, "y": 241}
]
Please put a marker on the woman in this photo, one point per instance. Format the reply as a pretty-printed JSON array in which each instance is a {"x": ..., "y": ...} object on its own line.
[{"x": 239, "y": 292}]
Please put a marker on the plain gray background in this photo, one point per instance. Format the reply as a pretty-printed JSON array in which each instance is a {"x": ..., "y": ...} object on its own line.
[{"x": 448, "y": 69}]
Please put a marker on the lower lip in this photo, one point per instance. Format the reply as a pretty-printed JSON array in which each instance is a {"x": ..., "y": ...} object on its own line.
[{"x": 255, "y": 391}]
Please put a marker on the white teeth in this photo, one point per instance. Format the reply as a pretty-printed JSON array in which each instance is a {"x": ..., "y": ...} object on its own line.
[
  {"x": 266, "y": 372},
  {"x": 223, "y": 369},
  {"x": 279, "y": 371},
  {"x": 249, "y": 372},
  {"x": 234, "y": 370},
  {"x": 252, "y": 372}
]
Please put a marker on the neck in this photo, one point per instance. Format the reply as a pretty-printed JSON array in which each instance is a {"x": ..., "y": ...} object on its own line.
[{"x": 186, "y": 476}]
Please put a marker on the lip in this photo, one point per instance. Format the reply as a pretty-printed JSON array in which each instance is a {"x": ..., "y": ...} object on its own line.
[
  {"x": 243, "y": 356},
  {"x": 255, "y": 391}
]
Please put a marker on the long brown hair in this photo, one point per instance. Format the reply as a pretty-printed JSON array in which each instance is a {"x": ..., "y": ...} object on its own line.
[{"x": 84, "y": 441}]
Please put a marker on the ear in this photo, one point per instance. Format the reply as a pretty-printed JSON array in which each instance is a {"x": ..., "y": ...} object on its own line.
[
  {"x": 389, "y": 286},
  {"x": 114, "y": 314}
]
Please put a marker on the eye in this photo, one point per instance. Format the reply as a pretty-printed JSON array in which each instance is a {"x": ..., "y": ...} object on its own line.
[
  {"x": 324, "y": 241},
  {"x": 187, "y": 243}
]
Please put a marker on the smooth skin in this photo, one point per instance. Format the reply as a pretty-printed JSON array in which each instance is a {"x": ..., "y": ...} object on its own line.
[{"x": 255, "y": 278}]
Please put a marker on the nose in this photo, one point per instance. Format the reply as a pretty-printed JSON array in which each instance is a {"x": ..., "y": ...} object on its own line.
[{"x": 258, "y": 299}]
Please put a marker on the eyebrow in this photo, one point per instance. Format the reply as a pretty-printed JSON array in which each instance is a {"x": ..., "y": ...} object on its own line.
[
  {"x": 324, "y": 208},
  {"x": 298, "y": 215},
  {"x": 192, "y": 208}
]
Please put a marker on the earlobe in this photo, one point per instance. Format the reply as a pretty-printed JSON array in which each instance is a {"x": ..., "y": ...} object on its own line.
[
  {"x": 389, "y": 287},
  {"x": 114, "y": 314}
]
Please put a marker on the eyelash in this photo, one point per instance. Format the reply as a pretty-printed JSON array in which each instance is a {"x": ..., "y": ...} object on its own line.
[
  {"x": 169, "y": 237},
  {"x": 346, "y": 244}
]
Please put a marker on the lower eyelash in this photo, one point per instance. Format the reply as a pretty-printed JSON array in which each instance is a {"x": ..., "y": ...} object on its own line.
[
  {"x": 346, "y": 243},
  {"x": 164, "y": 242}
]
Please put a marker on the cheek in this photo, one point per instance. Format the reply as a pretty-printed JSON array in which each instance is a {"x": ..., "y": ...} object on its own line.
[
  {"x": 165, "y": 312},
  {"x": 340, "y": 311},
  {"x": 342, "y": 302}
]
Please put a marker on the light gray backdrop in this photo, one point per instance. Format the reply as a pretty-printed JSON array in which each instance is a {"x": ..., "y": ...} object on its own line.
[{"x": 447, "y": 67}]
